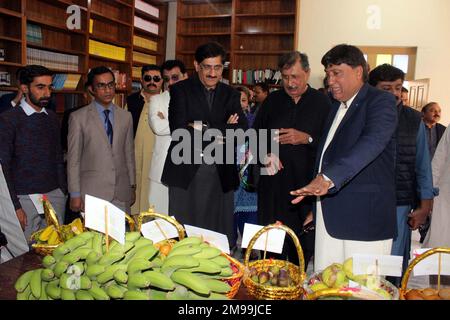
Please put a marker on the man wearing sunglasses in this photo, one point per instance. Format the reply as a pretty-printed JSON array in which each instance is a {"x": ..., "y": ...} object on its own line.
[
  {"x": 173, "y": 71},
  {"x": 100, "y": 156},
  {"x": 144, "y": 140},
  {"x": 202, "y": 194}
]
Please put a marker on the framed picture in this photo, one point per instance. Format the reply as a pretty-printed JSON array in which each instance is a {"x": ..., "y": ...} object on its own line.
[{"x": 2, "y": 54}]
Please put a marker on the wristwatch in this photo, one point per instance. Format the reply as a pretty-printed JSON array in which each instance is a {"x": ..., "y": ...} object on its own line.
[{"x": 310, "y": 139}]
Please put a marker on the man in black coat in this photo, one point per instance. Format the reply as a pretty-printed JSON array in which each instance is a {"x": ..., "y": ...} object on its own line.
[{"x": 431, "y": 114}]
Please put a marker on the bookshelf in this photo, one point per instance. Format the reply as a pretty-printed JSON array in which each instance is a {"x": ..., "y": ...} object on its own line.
[
  {"x": 255, "y": 33},
  {"x": 40, "y": 35}
]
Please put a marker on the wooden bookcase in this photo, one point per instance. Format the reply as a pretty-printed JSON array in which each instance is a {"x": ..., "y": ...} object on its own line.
[
  {"x": 33, "y": 29},
  {"x": 254, "y": 32}
]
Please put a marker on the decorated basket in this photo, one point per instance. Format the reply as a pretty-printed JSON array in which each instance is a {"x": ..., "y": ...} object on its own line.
[
  {"x": 348, "y": 293},
  {"x": 296, "y": 273},
  {"x": 234, "y": 280},
  {"x": 403, "y": 288}
]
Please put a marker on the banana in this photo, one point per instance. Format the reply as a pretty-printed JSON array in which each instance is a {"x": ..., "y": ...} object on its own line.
[
  {"x": 111, "y": 258},
  {"x": 70, "y": 258},
  {"x": 69, "y": 282},
  {"x": 35, "y": 283},
  {"x": 137, "y": 281},
  {"x": 76, "y": 268},
  {"x": 146, "y": 252},
  {"x": 92, "y": 271},
  {"x": 157, "y": 262},
  {"x": 97, "y": 243},
  {"x": 115, "y": 291},
  {"x": 23, "y": 281},
  {"x": 24, "y": 294},
  {"x": 217, "y": 285},
  {"x": 60, "y": 268},
  {"x": 138, "y": 265},
  {"x": 132, "y": 236},
  {"x": 191, "y": 281},
  {"x": 87, "y": 235},
  {"x": 189, "y": 249},
  {"x": 135, "y": 295},
  {"x": 97, "y": 292},
  {"x": 212, "y": 296},
  {"x": 93, "y": 257},
  {"x": 67, "y": 294},
  {"x": 226, "y": 272},
  {"x": 45, "y": 234},
  {"x": 159, "y": 280},
  {"x": 155, "y": 294},
  {"x": 120, "y": 276},
  {"x": 208, "y": 253},
  {"x": 109, "y": 273},
  {"x": 54, "y": 238},
  {"x": 188, "y": 240},
  {"x": 43, "y": 291},
  {"x": 82, "y": 252},
  {"x": 143, "y": 242},
  {"x": 206, "y": 266},
  {"x": 221, "y": 261},
  {"x": 47, "y": 274},
  {"x": 48, "y": 261},
  {"x": 60, "y": 251},
  {"x": 85, "y": 282},
  {"x": 177, "y": 262},
  {"x": 83, "y": 295},
  {"x": 53, "y": 290},
  {"x": 75, "y": 242}
]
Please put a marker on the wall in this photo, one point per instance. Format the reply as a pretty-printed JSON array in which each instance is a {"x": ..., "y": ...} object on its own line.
[
  {"x": 171, "y": 31},
  {"x": 415, "y": 23}
]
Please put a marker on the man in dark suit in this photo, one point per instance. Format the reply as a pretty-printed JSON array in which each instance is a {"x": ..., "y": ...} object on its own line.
[
  {"x": 431, "y": 114},
  {"x": 355, "y": 182},
  {"x": 201, "y": 194}
]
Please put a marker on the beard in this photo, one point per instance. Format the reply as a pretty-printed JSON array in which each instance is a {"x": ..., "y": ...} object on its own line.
[{"x": 42, "y": 102}]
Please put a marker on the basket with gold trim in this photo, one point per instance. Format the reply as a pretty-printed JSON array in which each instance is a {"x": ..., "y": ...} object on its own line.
[
  {"x": 426, "y": 293},
  {"x": 291, "y": 288}
]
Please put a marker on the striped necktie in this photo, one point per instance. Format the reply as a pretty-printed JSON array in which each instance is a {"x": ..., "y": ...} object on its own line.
[{"x": 108, "y": 125}]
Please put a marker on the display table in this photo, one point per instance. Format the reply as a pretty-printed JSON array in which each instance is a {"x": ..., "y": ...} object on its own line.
[{"x": 11, "y": 270}]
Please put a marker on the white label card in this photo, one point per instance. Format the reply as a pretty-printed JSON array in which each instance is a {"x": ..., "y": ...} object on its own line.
[
  {"x": 37, "y": 202},
  {"x": 274, "y": 237},
  {"x": 387, "y": 265},
  {"x": 95, "y": 218},
  {"x": 215, "y": 239},
  {"x": 158, "y": 230},
  {"x": 430, "y": 265}
]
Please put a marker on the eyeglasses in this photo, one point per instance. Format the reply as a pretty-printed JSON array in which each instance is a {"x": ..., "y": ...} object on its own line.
[
  {"x": 174, "y": 77},
  {"x": 103, "y": 86},
  {"x": 208, "y": 67},
  {"x": 148, "y": 78}
]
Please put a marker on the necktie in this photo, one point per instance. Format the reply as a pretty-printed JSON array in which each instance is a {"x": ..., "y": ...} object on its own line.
[{"x": 108, "y": 125}]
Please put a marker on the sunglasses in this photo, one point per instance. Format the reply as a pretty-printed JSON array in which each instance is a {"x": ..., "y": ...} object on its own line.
[{"x": 148, "y": 78}]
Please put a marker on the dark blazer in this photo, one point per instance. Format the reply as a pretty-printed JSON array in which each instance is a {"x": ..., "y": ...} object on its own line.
[
  {"x": 188, "y": 104},
  {"x": 135, "y": 104},
  {"x": 439, "y": 132},
  {"x": 360, "y": 160}
]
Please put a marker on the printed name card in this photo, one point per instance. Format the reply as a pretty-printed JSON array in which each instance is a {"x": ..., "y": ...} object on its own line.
[
  {"x": 430, "y": 265},
  {"x": 158, "y": 230},
  {"x": 95, "y": 218},
  {"x": 215, "y": 239},
  {"x": 383, "y": 265},
  {"x": 37, "y": 202},
  {"x": 274, "y": 238}
]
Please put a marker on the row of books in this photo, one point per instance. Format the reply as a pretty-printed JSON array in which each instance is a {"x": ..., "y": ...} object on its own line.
[
  {"x": 66, "y": 81},
  {"x": 256, "y": 76},
  {"x": 65, "y": 102},
  {"x": 34, "y": 33},
  {"x": 145, "y": 43},
  {"x": 136, "y": 72},
  {"x": 52, "y": 60},
  {"x": 146, "y": 25},
  {"x": 5, "y": 78},
  {"x": 107, "y": 50},
  {"x": 143, "y": 58},
  {"x": 147, "y": 8},
  {"x": 120, "y": 99}
]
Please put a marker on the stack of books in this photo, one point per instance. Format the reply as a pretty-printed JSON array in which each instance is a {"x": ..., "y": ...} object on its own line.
[
  {"x": 145, "y": 43},
  {"x": 66, "y": 81},
  {"x": 147, "y": 8},
  {"x": 107, "y": 50},
  {"x": 52, "y": 60},
  {"x": 146, "y": 25},
  {"x": 34, "y": 33},
  {"x": 256, "y": 76},
  {"x": 143, "y": 58}
]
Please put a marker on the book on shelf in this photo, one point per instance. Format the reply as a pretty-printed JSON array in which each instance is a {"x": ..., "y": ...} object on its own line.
[
  {"x": 146, "y": 25},
  {"x": 145, "y": 43},
  {"x": 65, "y": 102},
  {"x": 147, "y": 8},
  {"x": 143, "y": 58},
  {"x": 52, "y": 60},
  {"x": 269, "y": 76},
  {"x": 136, "y": 72},
  {"x": 5, "y": 78},
  {"x": 91, "y": 25},
  {"x": 107, "y": 50},
  {"x": 2, "y": 54},
  {"x": 66, "y": 81},
  {"x": 34, "y": 33},
  {"x": 121, "y": 79},
  {"x": 120, "y": 99}
]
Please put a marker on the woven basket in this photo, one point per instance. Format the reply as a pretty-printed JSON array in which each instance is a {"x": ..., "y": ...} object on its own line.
[
  {"x": 403, "y": 288},
  {"x": 236, "y": 279},
  {"x": 296, "y": 273}
]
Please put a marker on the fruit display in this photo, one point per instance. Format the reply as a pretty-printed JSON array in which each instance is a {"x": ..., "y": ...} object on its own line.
[
  {"x": 428, "y": 294},
  {"x": 337, "y": 276},
  {"x": 274, "y": 276},
  {"x": 82, "y": 269},
  {"x": 53, "y": 235}
]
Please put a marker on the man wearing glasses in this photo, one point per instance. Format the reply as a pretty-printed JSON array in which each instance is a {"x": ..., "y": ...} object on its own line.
[
  {"x": 100, "y": 157},
  {"x": 144, "y": 140},
  {"x": 173, "y": 71},
  {"x": 201, "y": 194}
]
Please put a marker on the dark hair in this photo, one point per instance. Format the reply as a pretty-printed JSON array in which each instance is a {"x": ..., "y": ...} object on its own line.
[
  {"x": 348, "y": 54},
  {"x": 97, "y": 71},
  {"x": 209, "y": 50},
  {"x": 150, "y": 67},
  {"x": 428, "y": 106},
  {"x": 28, "y": 73},
  {"x": 263, "y": 85},
  {"x": 385, "y": 72},
  {"x": 404, "y": 89},
  {"x": 244, "y": 89},
  {"x": 287, "y": 60},
  {"x": 170, "y": 64}
]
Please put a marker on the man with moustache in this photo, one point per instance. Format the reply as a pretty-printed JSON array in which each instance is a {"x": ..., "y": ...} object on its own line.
[
  {"x": 431, "y": 114},
  {"x": 200, "y": 193},
  {"x": 30, "y": 150},
  {"x": 144, "y": 140}
]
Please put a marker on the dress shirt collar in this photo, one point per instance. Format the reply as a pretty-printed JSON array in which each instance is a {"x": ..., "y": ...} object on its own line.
[{"x": 29, "y": 110}]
